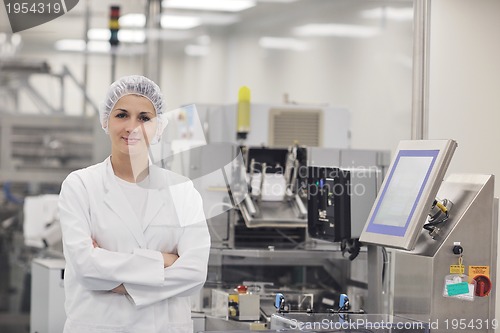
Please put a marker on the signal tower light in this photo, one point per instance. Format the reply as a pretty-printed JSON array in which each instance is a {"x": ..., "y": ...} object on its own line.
[{"x": 114, "y": 26}]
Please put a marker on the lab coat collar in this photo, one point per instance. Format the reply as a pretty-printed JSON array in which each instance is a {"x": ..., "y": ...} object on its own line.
[{"x": 117, "y": 201}]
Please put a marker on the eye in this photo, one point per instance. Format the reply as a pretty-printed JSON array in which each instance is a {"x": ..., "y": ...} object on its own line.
[
  {"x": 121, "y": 115},
  {"x": 144, "y": 118}
]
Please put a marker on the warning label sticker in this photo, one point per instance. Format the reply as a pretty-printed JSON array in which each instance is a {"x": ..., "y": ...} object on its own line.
[
  {"x": 479, "y": 270},
  {"x": 457, "y": 269}
]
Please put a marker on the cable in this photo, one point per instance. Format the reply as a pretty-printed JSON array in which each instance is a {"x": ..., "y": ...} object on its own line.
[
  {"x": 310, "y": 244},
  {"x": 437, "y": 218},
  {"x": 386, "y": 261},
  {"x": 286, "y": 236},
  {"x": 352, "y": 246}
]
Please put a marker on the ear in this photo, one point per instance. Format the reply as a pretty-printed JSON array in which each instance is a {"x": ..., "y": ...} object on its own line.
[{"x": 104, "y": 125}]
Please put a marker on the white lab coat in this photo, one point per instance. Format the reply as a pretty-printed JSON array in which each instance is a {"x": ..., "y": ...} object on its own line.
[{"x": 92, "y": 206}]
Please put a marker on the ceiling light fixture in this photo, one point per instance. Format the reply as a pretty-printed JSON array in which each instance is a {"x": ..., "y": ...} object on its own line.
[
  {"x": 392, "y": 13},
  {"x": 180, "y": 22},
  {"x": 335, "y": 30},
  {"x": 78, "y": 45},
  {"x": 276, "y": 1},
  {"x": 283, "y": 43},
  {"x": 218, "y": 18},
  {"x": 134, "y": 20},
  {"x": 217, "y": 5},
  {"x": 196, "y": 50},
  {"x": 124, "y": 35}
]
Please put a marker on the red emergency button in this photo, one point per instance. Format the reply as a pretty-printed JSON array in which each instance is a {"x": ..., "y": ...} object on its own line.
[
  {"x": 483, "y": 285},
  {"x": 241, "y": 289}
]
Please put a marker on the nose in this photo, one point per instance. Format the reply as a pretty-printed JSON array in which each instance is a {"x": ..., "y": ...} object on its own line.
[{"x": 133, "y": 126}]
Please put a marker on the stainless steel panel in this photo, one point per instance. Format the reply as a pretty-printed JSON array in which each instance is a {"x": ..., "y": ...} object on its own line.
[
  {"x": 284, "y": 214},
  {"x": 365, "y": 184},
  {"x": 323, "y": 157},
  {"x": 419, "y": 275},
  {"x": 220, "y": 324},
  {"x": 357, "y": 158}
]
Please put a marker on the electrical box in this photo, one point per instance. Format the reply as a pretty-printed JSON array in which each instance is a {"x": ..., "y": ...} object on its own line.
[{"x": 339, "y": 201}]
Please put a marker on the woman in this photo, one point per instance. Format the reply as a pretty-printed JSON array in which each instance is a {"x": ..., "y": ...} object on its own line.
[{"x": 135, "y": 237}]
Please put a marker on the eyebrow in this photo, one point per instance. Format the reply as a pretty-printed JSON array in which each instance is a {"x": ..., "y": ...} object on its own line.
[{"x": 124, "y": 110}]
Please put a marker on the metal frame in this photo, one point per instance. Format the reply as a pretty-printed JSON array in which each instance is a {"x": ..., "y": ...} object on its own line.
[
  {"x": 17, "y": 76},
  {"x": 8, "y": 124},
  {"x": 420, "y": 91}
]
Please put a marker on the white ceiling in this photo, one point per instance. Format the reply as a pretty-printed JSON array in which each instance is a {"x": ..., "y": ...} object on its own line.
[{"x": 266, "y": 18}]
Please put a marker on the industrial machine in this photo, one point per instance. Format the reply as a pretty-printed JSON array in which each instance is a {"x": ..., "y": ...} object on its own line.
[
  {"x": 39, "y": 141},
  {"x": 275, "y": 211},
  {"x": 305, "y": 256},
  {"x": 42, "y": 149},
  {"x": 444, "y": 233},
  {"x": 262, "y": 235},
  {"x": 447, "y": 231}
]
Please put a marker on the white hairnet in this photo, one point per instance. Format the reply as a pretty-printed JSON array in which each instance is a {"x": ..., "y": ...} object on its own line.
[{"x": 134, "y": 85}]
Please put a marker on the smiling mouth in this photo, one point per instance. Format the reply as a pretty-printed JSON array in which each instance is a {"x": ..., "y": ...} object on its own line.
[{"x": 131, "y": 141}]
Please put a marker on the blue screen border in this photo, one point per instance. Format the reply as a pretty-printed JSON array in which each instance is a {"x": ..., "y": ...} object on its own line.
[{"x": 394, "y": 230}]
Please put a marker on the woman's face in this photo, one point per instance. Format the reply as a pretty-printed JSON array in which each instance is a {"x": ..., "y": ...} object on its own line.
[{"x": 132, "y": 125}]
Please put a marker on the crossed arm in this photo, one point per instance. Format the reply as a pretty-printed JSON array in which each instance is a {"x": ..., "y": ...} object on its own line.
[{"x": 168, "y": 260}]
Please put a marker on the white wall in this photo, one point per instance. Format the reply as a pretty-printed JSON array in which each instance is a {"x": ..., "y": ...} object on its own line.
[{"x": 464, "y": 100}]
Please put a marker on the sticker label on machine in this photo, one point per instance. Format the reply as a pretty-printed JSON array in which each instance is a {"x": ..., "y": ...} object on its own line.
[
  {"x": 457, "y": 269},
  {"x": 479, "y": 270}
]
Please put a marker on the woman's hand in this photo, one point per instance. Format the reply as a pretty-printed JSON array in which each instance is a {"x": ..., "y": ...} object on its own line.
[
  {"x": 169, "y": 259},
  {"x": 120, "y": 290}
]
